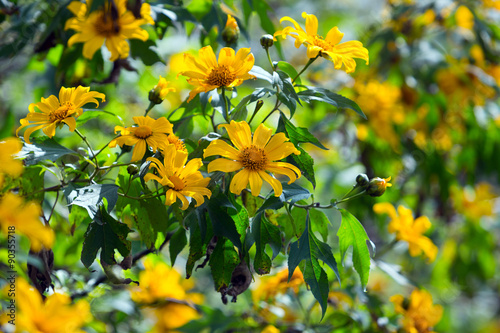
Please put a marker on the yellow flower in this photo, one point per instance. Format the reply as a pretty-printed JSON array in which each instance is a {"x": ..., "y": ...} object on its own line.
[
  {"x": 377, "y": 186},
  {"x": 270, "y": 286},
  {"x": 328, "y": 47},
  {"x": 254, "y": 155},
  {"x": 270, "y": 329},
  {"x": 420, "y": 315},
  {"x": 54, "y": 315},
  {"x": 9, "y": 165},
  {"x": 206, "y": 74},
  {"x": 231, "y": 31},
  {"x": 56, "y": 111},
  {"x": 409, "y": 230},
  {"x": 182, "y": 180},
  {"x": 474, "y": 203},
  {"x": 25, "y": 218},
  {"x": 112, "y": 25},
  {"x": 160, "y": 91},
  {"x": 159, "y": 283},
  {"x": 149, "y": 132},
  {"x": 464, "y": 18},
  {"x": 178, "y": 143}
]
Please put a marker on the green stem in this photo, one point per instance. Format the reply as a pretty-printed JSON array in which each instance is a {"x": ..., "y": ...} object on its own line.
[
  {"x": 270, "y": 60},
  {"x": 115, "y": 165},
  {"x": 351, "y": 197},
  {"x": 94, "y": 156},
  {"x": 151, "y": 105},
  {"x": 226, "y": 106},
  {"x": 305, "y": 67}
]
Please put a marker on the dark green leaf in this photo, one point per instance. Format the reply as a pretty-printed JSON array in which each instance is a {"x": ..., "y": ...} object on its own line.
[
  {"x": 142, "y": 50},
  {"x": 42, "y": 149},
  {"x": 197, "y": 247},
  {"x": 90, "y": 197},
  {"x": 352, "y": 233},
  {"x": 293, "y": 193},
  {"x": 107, "y": 234},
  {"x": 222, "y": 262},
  {"x": 177, "y": 243},
  {"x": 286, "y": 90},
  {"x": 310, "y": 249},
  {"x": 289, "y": 70},
  {"x": 263, "y": 233},
  {"x": 222, "y": 222},
  {"x": 261, "y": 73},
  {"x": 271, "y": 203},
  {"x": 324, "y": 95},
  {"x": 299, "y": 134},
  {"x": 305, "y": 163}
]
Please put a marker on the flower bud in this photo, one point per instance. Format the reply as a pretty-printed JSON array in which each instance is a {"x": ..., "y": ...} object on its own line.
[
  {"x": 160, "y": 91},
  {"x": 231, "y": 32},
  {"x": 267, "y": 41},
  {"x": 132, "y": 169},
  {"x": 377, "y": 186},
  {"x": 362, "y": 180}
]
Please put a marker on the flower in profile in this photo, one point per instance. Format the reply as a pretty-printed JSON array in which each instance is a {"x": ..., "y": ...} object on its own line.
[
  {"x": 377, "y": 186},
  {"x": 149, "y": 132},
  {"x": 112, "y": 24},
  {"x": 409, "y": 229},
  {"x": 60, "y": 111},
  {"x": 164, "y": 287},
  {"x": 9, "y": 165},
  {"x": 181, "y": 180},
  {"x": 178, "y": 143},
  {"x": 25, "y": 218},
  {"x": 206, "y": 73},
  {"x": 254, "y": 155},
  {"x": 419, "y": 314},
  {"x": 160, "y": 91},
  {"x": 54, "y": 315},
  {"x": 328, "y": 47}
]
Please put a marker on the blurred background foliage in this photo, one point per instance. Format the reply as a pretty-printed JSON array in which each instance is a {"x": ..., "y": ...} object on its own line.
[{"x": 430, "y": 94}]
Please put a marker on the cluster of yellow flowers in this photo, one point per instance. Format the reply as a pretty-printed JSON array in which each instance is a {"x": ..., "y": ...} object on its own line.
[{"x": 419, "y": 314}]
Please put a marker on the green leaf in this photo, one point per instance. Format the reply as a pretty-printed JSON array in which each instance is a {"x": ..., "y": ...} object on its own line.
[
  {"x": 30, "y": 183},
  {"x": 319, "y": 221},
  {"x": 107, "y": 234},
  {"x": 299, "y": 134},
  {"x": 89, "y": 114},
  {"x": 142, "y": 50},
  {"x": 223, "y": 224},
  {"x": 222, "y": 262},
  {"x": 197, "y": 247},
  {"x": 290, "y": 70},
  {"x": 42, "y": 149},
  {"x": 203, "y": 144},
  {"x": 272, "y": 202},
  {"x": 177, "y": 243},
  {"x": 310, "y": 249},
  {"x": 91, "y": 197},
  {"x": 352, "y": 233},
  {"x": 286, "y": 90},
  {"x": 263, "y": 233},
  {"x": 305, "y": 163},
  {"x": 293, "y": 193},
  {"x": 261, "y": 73},
  {"x": 324, "y": 95}
]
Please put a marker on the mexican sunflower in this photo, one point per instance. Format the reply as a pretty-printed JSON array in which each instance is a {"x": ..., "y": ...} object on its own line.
[
  {"x": 149, "y": 132},
  {"x": 56, "y": 111},
  {"x": 327, "y": 47},
  {"x": 181, "y": 180},
  {"x": 206, "y": 74},
  {"x": 112, "y": 24},
  {"x": 409, "y": 229},
  {"x": 254, "y": 155},
  {"x": 419, "y": 313}
]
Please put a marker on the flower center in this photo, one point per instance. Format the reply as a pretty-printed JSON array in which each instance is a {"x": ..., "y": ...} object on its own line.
[
  {"x": 143, "y": 132},
  {"x": 61, "y": 112},
  {"x": 221, "y": 76},
  {"x": 178, "y": 183},
  {"x": 319, "y": 41},
  {"x": 253, "y": 158},
  {"x": 106, "y": 26},
  {"x": 179, "y": 145}
]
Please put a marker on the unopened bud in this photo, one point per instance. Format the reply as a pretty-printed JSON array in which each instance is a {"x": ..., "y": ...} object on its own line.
[
  {"x": 231, "y": 32},
  {"x": 377, "y": 186},
  {"x": 132, "y": 169},
  {"x": 267, "y": 41},
  {"x": 160, "y": 91},
  {"x": 362, "y": 180}
]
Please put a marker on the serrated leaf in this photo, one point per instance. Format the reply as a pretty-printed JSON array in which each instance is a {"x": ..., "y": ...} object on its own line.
[
  {"x": 197, "y": 247},
  {"x": 261, "y": 73},
  {"x": 352, "y": 233},
  {"x": 293, "y": 193},
  {"x": 107, "y": 234},
  {"x": 286, "y": 91},
  {"x": 222, "y": 262},
  {"x": 327, "y": 96},
  {"x": 42, "y": 149},
  {"x": 263, "y": 233},
  {"x": 290, "y": 70},
  {"x": 305, "y": 163},
  {"x": 177, "y": 244},
  {"x": 310, "y": 249},
  {"x": 299, "y": 134},
  {"x": 223, "y": 224},
  {"x": 91, "y": 197},
  {"x": 319, "y": 221}
]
